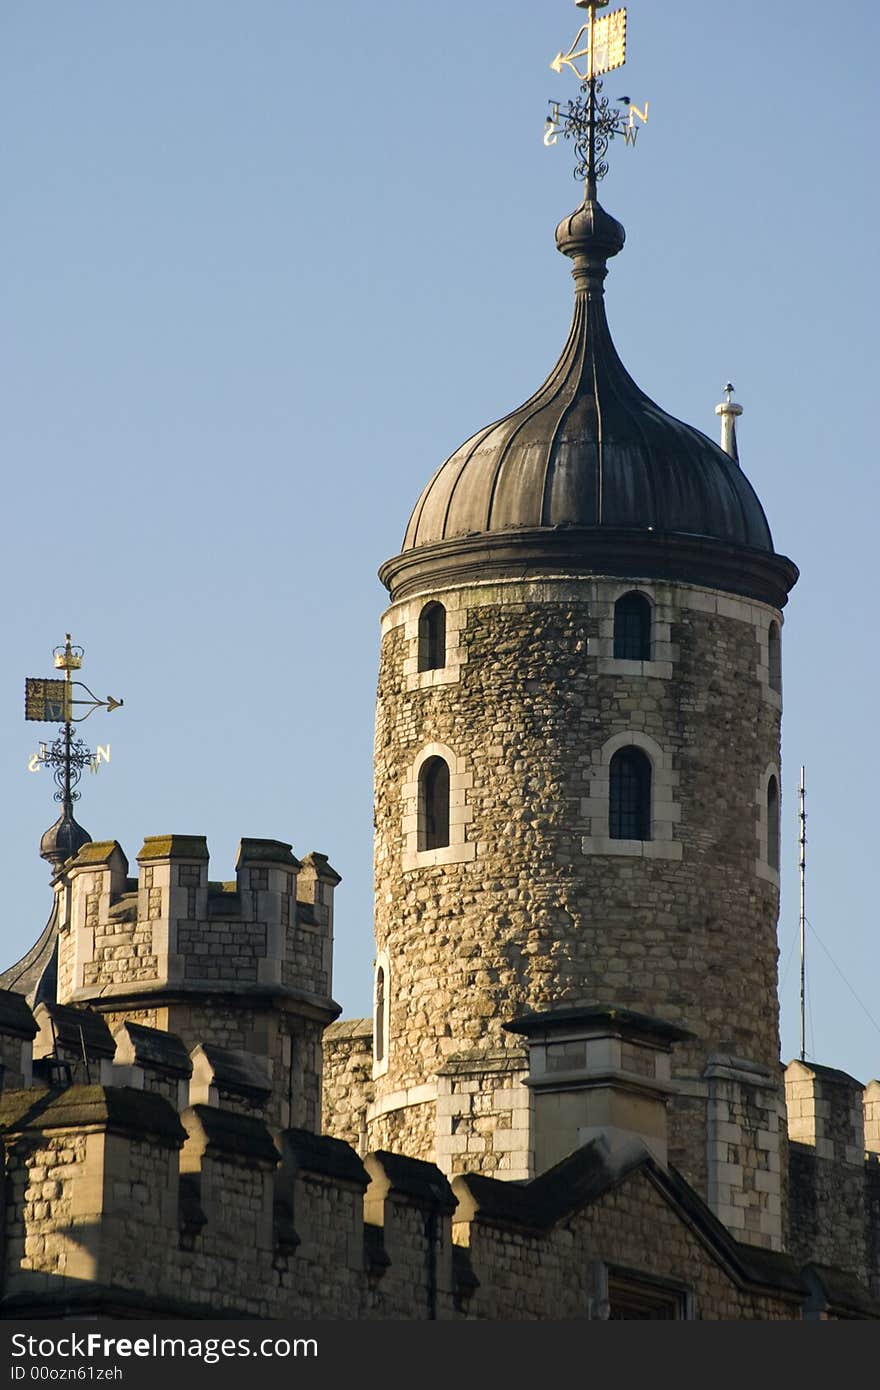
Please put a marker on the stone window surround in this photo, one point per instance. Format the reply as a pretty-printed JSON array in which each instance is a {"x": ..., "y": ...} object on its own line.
[
  {"x": 663, "y": 651},
  {"x": 603, "y": 1274},
  {"x": 763, "y": 867},
  {"x": 669, "y": 600},
  {"x": 382, "y": 962},
  {"x": 456, "y": 654},
  {"x": 432, "y": 636},
  {"x": 665, "y": 810},
  {"x": 771, "y": 695},
  {"x": 459, "y": 850}
]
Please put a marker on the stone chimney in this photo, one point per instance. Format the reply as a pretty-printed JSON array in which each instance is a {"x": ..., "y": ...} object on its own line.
[{"x": 597, "y": 1071}]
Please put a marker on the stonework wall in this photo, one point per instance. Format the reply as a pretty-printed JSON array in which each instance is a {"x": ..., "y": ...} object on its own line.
[
  {"x": 150, "y": 1018},
  {"x": 244, "y": 964},
  {"x": 408, "y": 1127},
  {"x": 138, "y": 1216},
  {"x": 229, "y": 949},
  {"x": 104, "y": 1207},
  {"x": 172, "y": 925},
  {"x": 348, "y": 1080},
  {"x": 484, "y": 1118},
  {"x": 827, "y": 1175},
  {"x": 872, "y": 1223},
  {"x": 39, "y": 1223},
  {"x": 121, "y": 955},
  {"x": 682, "y": 928},
  {"x": 629, "y": 1229},
  {"x": 745, "y": 1138}
]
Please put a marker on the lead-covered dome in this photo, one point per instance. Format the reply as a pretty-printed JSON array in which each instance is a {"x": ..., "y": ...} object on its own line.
[{"x": 591, "y": 455}]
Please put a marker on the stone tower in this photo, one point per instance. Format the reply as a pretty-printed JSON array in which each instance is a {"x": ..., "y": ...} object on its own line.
[{"x": 577, "y": 770}]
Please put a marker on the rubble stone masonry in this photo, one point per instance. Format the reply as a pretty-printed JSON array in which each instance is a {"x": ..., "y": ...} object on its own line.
[{"x": 544, "y": 908}]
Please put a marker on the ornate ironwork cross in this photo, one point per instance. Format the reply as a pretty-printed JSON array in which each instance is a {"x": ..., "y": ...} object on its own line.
[
  {"x": 51, "y": 701},
  {"x": 591, "y": 120}
]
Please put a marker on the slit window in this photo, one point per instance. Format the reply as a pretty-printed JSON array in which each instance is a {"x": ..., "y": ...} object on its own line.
[
  {"x": 630, "y": 795},
  {"x": 434, "y": 805},
  {"x": 380, "y": 1015},
  {"x": 773, "y": 824},
  {"x": 774, "y": 647},
  {"x": 632, "y": 628},
  {"x": 432, "y": 637}
]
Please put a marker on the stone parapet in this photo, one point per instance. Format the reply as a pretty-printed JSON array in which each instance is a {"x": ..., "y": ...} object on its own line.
[
  {"x": 828, "y": 1197},
  {"x": 413, "y": 1204},
  {"x": 871, "y": 1106},
  {"x": 746, "y": 1148},
  {"x": 243, "y": 965},
  {"x": 114, "y": 1202},
  {"x": 173, "y": 926}
]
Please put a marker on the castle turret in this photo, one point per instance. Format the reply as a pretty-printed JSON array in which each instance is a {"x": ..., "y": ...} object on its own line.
[
  {"x": 240, "y": 971},
  {"x": 577, "y": 756}
]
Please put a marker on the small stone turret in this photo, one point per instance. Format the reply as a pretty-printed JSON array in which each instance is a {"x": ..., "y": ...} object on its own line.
[{"x": 242, "y": 966}]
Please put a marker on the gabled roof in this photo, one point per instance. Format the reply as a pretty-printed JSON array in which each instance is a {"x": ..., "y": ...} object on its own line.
[{"x": 586, "y": 1175}]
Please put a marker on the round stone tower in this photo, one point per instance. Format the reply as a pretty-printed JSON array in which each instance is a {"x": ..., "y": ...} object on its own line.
[{"x": 577, "y": 745}]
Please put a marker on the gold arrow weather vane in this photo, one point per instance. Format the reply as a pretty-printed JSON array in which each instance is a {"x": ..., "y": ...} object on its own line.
[
  {"x": 590, "y": 120},
  {"x": 605, "y": 48},
  {"x": 51, "y": 701}
]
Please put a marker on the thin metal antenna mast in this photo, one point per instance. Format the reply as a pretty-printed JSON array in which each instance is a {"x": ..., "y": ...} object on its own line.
[{"x": 802, "y": 817}]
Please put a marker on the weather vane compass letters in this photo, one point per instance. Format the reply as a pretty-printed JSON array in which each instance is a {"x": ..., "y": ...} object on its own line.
[
  {"x": 52, "y": 701},
  {"x": 591, "y": 121}
]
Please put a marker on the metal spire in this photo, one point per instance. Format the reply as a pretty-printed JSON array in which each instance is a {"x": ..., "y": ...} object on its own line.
[{"x": 590, "y": 120}]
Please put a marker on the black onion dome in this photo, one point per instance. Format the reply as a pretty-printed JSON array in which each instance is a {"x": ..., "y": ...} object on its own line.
[
  {"x": 63, "y": 840},
  {"x": 591, "y": 454}
]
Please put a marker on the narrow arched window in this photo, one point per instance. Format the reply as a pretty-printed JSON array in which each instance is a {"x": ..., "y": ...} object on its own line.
[
  {"x": 774, "y": 652},
  {"x": 630, "y": 795},
  {"x": 434, "y": 805},
  {"x": 773, "y": 824},
  {"x": 632, "y": 628},
  {"x": 380, "y": 1015},
  {"x": 432, "y": 637}
]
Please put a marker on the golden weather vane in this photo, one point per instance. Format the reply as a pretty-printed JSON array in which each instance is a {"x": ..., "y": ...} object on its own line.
[
  {"x": 52, "y": 702},
  {"x": 590, "y": 120}
]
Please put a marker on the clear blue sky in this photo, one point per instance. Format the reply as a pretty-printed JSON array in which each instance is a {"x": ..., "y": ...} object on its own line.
[{"x": 265, "y": 265}]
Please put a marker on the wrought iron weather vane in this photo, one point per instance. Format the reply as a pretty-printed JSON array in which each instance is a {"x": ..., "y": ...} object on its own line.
[
  {"x": 591, "y": 121},
  {"x": 52, "y": 701}
]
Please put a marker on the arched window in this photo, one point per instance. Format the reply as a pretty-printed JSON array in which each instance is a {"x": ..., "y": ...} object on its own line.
[
  {"x": 379, "y": 1027},
  {"x": 432, "y": 637},
  {"x": 434, "y": 805},
  {"x": 774, "y": 651},
  {"x": 773, "y": 824},
  {"x": 630, "y": 795},
  {"x": 632, "y": 628}
]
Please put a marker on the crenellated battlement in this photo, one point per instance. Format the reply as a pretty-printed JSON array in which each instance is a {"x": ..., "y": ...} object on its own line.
[
  {"x": 141, "y": 1171},
  {"x": 239, "y": 967},
  {"x": 272, "y": 925}
]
